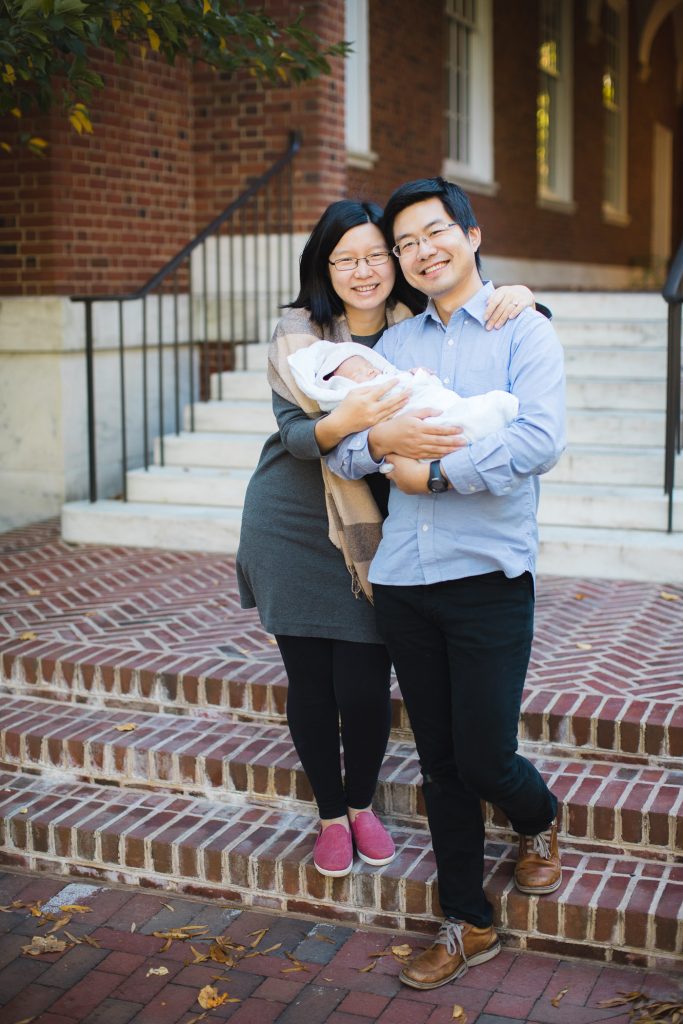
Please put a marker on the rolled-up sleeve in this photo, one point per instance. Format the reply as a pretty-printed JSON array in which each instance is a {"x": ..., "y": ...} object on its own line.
[{"x": 351, "y": 459}]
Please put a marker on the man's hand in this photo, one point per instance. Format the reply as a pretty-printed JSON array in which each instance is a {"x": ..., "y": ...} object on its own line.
[
  {"x": 413, "y": 438},
  {"x": 409, "y": 476}
]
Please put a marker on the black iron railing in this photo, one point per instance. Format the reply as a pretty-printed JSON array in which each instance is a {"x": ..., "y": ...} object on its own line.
[
  {"x": 673, "y": 295},
  {"x": 190, "y": 321}
]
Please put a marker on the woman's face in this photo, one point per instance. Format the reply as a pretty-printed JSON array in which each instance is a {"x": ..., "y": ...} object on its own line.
[{"x": 365, "y": 288}]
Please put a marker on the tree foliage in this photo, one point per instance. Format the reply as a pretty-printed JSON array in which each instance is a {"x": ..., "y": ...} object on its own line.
[{"x": 46, "y": 47}]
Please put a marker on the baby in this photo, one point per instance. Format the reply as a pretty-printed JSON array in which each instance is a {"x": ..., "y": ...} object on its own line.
[{"x": 326, "y": 372}]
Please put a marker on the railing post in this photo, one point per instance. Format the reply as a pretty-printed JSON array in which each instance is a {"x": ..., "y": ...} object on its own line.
[
  {"x": 671, "y": 293},
  {"x": 90, "y": 387}
]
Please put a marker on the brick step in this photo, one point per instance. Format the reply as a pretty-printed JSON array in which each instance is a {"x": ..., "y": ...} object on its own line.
[
  {"x": 602, "y": 802},
  {"x": 617, "y": 721},
  {"x": 614, "y": 908}
]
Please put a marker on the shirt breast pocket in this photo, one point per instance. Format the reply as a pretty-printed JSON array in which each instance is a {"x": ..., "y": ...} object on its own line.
[{"x": 477, "y": 382}]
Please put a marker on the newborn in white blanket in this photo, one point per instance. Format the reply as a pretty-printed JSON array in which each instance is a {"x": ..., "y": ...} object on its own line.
[{"x": 326, "y": 371}]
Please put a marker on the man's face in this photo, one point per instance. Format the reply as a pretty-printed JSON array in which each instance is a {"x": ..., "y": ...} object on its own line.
[{"x": 443, "y": 267}]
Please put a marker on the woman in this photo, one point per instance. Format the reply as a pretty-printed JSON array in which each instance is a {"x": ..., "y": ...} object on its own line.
[{"x": 337, "y": 668}]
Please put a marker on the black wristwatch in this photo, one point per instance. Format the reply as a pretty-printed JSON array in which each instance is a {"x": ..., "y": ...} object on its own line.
[{"x": 436, "y": 483}]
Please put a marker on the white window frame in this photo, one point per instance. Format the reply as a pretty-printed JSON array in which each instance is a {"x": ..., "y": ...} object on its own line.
[
  {"x": 560, "y": 195},
  {"x": 477, "y": 172},
  {"x": 357, "y": 86},
  {"x": 615, "y": 211}
]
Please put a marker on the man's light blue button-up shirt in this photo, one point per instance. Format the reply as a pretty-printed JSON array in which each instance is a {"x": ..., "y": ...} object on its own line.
[{"x": 487, "y": 521}]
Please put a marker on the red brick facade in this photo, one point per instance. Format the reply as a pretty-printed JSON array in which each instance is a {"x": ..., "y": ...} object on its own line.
[{"x": 173, "y": 146}]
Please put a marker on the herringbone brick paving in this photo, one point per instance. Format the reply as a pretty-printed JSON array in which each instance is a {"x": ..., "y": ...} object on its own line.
[
  {"x": 205, "y": 793},
  {"x": 285, "y": 969},
  {"x": 166, "y": 628}
]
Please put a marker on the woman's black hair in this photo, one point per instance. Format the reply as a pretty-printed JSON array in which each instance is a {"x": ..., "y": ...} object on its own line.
[{"x": 316, "y": 293}]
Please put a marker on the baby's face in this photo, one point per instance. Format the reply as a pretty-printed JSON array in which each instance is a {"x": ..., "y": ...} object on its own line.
[{"x": 357, "y": 369}]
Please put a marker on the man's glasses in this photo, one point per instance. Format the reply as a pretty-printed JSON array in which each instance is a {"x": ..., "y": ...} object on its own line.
[
  {"x": 409, "y": 246},
  {"x": 375, "y": 259}
]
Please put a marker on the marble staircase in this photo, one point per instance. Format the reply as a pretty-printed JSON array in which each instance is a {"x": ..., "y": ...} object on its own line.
[{"x": 602, "y": 508}]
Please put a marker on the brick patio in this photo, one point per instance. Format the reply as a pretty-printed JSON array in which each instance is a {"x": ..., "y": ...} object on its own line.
[
  {"x": 202, "y": 792},
  {"x": 298, "y": 970}
]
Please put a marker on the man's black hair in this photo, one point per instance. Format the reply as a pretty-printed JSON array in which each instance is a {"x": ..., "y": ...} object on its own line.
[
  {"x": 316, "y": 293},
  {"x": 455, "y": 200}
]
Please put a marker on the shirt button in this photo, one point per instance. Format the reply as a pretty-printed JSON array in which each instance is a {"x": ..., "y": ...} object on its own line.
[
  {"x": 472, "y": 487},
  {"x": 446, "y": 380},
  {"x": 451, "y": 342},
  {"x": 425, "y": 527}
]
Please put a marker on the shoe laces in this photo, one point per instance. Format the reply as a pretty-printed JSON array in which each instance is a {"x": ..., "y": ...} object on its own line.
[
  {"x": 450, "y": 936},
  {"x": 541, "y": 843}
]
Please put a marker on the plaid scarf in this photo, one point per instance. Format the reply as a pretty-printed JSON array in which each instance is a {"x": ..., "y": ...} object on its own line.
[{"x": 355, "y": 523}]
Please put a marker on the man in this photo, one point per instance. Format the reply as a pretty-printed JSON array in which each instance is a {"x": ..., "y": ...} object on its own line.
[{"x": 453, "y": 577}]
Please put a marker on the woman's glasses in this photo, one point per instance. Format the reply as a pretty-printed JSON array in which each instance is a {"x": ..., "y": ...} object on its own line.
[{"x": 374, "y": 259}]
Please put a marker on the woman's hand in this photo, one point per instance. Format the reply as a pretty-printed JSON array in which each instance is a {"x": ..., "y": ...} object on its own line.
[
  {"x": 362, "y": 408},
  {"x": 506, "y": 303},
  {"x": 412, "y": 437}
]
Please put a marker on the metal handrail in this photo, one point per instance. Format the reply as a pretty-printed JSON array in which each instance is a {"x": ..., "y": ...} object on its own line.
[
  {"x": 207, "y": 334},
  {"x": 672, "y": 294}
]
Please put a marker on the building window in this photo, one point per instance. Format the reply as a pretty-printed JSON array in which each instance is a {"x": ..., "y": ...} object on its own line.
[
  {"x": 614, "y": 106},
  {"x": 554, "y": 104},
  {"x": 357, "y": 86},
  {"x": 469, "y": 106}
]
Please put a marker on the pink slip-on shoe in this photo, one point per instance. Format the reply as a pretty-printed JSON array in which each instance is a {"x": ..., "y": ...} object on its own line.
[
  {"x": 333, "y": 851},
  {"x": 374, "y": 845}
]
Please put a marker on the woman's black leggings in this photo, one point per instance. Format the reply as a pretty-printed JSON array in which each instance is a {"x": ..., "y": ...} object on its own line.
[{"x": 333, "y": 681}]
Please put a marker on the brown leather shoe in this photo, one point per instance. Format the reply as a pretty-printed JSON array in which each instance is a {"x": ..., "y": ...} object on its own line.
[
  {"x": 538, "y": 869},
  {"x": 458, "y": 945}
]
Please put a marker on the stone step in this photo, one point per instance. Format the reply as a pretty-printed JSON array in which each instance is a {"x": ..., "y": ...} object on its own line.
[
  {"x": 244, "y": 385},
  {"x": 560, "y": 710},
  {"x": 616, "y": 362},
  {"x": 626, "y": 465},
  {"x": 634, "y": 808},
  {"x": 635, "y": 334},
  {"x": 616, "y": 427},
  {"x": 611, "y": 554},
  {"x": 605, "y": 507},
  {"x": 604, "y": 308},
  {"x": 236, "y": 451},
  {"x": 141, "y": 524},
  {"x": 233, "y": 416},
  {"x": 608, "y": 906},
  {"x": 615, "y": 394},
  {"x": 184, "y": 485}
]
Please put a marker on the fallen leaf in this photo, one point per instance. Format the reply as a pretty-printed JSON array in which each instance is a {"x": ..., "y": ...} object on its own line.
[
  {"x": 168, "y": 906},
  {"x": 403, "y": 950},
  {"x": 133, "y": 926},
  {"x": 40, "y": 945},
  {"x": 76, "y": 908},
  {"x": 72, "y": 938},
  {"x": 59, "y": 923},
  {"x": 459, "y": 1014},
  {"x": 11, "y": 907},
  {"x": 667, "y": 596},
  {"x": 556, "y": 1000},
  {"x": 294, "y": 970},
  {"x": 621, "y": 999},
  {"x": 259, "y": 935},
  {"x": 23, "y": 810},
  {"x": 33, "y": 593},
  {"x": 370, "y": 967},
  {"x": 220, "y": 955},
  {"x": 92, "y": 942},
  {"x": 324, "y": 938},
  {"x": 585, "y": 647},
  {"x": 35, "y": 908},
  {"x": 209, "y": 998},
  {"x": 199, "y": 958},
  {"x": 128, "y": 727},
  {"x": 579, "y": 597},
  {"x": 271, "y": 949},
  {"x": 29, "y": 635},
  {"x": 161, "y": 971}
]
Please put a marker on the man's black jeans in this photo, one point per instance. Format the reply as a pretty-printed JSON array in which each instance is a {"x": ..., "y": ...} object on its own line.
[{"x": 461, "y": 651}]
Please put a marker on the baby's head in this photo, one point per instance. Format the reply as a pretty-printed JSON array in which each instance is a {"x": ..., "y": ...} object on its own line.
[{"x": 357, "y": 369}]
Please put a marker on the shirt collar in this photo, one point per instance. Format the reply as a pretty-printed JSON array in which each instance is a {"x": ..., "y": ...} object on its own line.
[{"x": 474, "y": 307}]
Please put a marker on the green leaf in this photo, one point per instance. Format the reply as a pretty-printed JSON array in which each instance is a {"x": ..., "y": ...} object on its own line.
[{"x": 69, "y": 6}]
